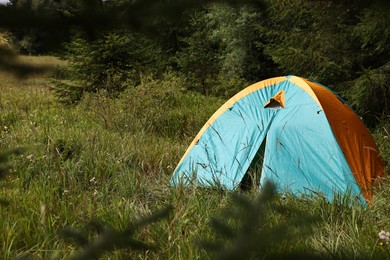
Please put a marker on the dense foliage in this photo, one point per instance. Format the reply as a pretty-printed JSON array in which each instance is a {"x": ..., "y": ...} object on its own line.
[
  {"x": 219, "y": 48},
  {"x": 112, "y": 64},
  {"x": 343, "y": 44}
]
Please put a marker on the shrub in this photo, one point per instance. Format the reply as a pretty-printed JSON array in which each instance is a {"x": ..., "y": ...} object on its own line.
[
  {"x": 112, "y": 63},
  {"x": 166, "y": 108},
  {"x": 370, "y": 95},
  {"x": 382, "y": 138}
]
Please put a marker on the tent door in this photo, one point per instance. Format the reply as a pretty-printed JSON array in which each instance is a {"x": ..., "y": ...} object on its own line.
[{"x": 252, "y": 176}]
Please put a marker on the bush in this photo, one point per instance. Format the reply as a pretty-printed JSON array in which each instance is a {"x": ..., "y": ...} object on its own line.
[
  {"x": 112, "y": 63},
  {"x": 164, "y": 107},
  {"x": 370, "y": 95},
  {"x": 382, "y": 138}
]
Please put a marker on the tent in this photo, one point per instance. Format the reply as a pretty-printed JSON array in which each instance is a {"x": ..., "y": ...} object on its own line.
[{"x": 311, "y": 142}]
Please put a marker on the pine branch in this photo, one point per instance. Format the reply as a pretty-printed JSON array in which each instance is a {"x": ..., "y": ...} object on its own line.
[{"x": 110, "y": 239}]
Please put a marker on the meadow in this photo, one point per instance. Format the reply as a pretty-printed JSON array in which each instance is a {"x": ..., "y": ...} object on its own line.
[{"x": 97, "y": 171}]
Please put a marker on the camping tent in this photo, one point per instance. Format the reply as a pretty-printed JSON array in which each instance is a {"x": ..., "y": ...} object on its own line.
[{"x": 311, "y": 142}]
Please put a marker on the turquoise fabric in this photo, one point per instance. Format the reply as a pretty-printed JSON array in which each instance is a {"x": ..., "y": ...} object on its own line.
[{"x": 301, "y": 156}]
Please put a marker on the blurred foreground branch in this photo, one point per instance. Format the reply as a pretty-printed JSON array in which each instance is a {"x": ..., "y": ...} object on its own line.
[
  {"x": 5, "y": 170},
  {"x": 241, "y": 232},
  {"x": 54, "y": 22},
  {"x": 110, "y": 239}
]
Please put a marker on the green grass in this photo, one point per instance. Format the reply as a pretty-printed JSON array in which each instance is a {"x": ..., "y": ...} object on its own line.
[{"x": 110, "y": 161}]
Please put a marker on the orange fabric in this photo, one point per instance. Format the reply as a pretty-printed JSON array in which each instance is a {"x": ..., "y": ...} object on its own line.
[
  {"x": 357, "y": 144},
  {"x": 276, "y": 101}
]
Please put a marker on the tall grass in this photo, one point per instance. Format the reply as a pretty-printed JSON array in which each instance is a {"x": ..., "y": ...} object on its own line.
[{"x": 110, "y": 161}]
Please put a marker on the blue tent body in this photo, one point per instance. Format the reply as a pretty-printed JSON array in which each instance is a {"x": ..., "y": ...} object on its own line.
[{"x": 302, "y": 154}]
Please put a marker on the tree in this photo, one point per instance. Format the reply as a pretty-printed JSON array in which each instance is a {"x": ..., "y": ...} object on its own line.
[
  {"x": 334, "y": 42},
  {"x": 218, "y": 54},
  {"x": 369, "y": 92},
  {"x": 198, "y": 58},
  {"x": 111, "y": 63}
]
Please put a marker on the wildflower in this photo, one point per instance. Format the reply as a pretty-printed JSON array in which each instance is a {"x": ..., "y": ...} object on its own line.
[
  {"x": 385, "y": 236},
  {"x": 30, "y": 157},
  {"x": 93, "y": 181}
]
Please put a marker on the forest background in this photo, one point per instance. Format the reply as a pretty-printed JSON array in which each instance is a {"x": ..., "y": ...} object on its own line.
[{"x": 132, "y": 83}]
